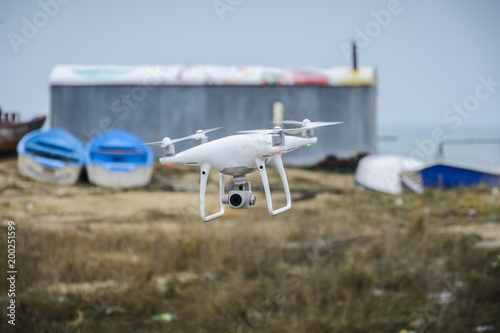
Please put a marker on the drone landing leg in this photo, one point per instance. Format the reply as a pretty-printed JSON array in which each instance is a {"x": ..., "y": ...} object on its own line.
[
  {"x": 205, "y": 170},
  {"x": 263, "y": 174}
]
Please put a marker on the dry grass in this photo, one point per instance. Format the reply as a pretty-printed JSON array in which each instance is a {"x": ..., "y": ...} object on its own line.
[{"x": 96, "y": 260}]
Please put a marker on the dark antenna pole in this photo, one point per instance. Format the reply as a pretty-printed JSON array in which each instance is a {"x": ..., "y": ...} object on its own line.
[{"x": 354, "y": 56}]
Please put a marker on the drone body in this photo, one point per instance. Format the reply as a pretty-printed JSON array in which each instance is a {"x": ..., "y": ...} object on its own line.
[{"x": 238, "y": 155}]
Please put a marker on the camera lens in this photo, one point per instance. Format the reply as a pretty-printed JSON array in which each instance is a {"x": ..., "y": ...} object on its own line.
[{"x": 235, "y": 200}]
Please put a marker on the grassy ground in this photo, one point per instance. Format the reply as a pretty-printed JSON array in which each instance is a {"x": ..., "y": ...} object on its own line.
[{"x": 342, "y": 260}]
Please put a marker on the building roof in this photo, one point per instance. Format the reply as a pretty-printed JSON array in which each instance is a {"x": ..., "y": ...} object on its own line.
[{"x": 88, "y": 75}]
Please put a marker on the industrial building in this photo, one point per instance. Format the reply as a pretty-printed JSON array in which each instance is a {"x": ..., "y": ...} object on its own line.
[{"x": 157, "y": 101}]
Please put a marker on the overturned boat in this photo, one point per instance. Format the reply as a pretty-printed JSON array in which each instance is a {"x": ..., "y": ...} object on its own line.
[
  {"x": 118, "y": 159},
  {"x": 50, "y": 156},
  {"x": 395, "y": 174},
  {"x": 445, "y": 175},
  {"x": 388, "y": 173},
  {"x": 12, "y": 129}
]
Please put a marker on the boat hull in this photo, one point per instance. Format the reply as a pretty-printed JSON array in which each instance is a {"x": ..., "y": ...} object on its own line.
[
  {"x": 386, "y": 173},
  {"x": 29, "y": 168},
  {"x": 447, "y": 176},
  {"x": 54, "y": 156},
  {"x": 118, "y": 159},
  {"x": 11, "y": 133},
  {"x": 100, "y": 176}
]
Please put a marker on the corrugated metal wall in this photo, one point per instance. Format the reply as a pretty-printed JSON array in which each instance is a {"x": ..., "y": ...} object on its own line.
[{"x": 153, "y": 112}]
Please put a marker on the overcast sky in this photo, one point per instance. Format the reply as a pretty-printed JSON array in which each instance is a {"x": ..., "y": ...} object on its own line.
[{"x": 438, "y": 62}]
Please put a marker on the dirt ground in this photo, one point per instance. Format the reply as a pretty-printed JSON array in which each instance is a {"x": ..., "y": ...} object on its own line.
[
  {"x": 112, "y": 259},
  {"x": 173, "y": 192}
]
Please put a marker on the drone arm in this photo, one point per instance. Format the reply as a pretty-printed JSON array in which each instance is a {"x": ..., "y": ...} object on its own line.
[
  {"x": 205, "y": 170},
  {"x": 263, "y": 174}
]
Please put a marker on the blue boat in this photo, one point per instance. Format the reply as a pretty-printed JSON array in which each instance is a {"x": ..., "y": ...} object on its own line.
[
  {"x": 118, "y": 159},
  {"x": 446, "y": 176},
  {"x": 51, "y": 156}
]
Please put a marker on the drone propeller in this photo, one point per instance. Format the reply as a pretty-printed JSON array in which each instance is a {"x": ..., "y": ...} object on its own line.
[
  {"x": 306, "y": 125},
  {"x": 167, "y": 144},
  {"x": 276, "y": 130},
  {"x": 200, "y": 135}
]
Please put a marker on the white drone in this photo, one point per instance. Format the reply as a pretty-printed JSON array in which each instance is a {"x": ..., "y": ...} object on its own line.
[{"x": 238, "y": 155}]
